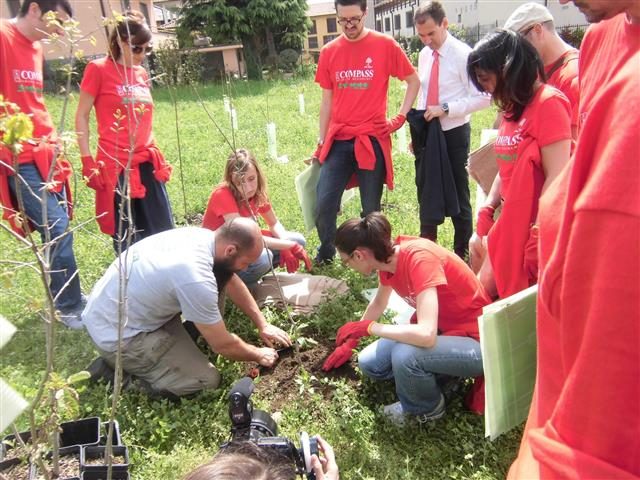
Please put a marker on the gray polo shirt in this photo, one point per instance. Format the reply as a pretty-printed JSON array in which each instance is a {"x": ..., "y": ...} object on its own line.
[{"x": 167, "y": 273}]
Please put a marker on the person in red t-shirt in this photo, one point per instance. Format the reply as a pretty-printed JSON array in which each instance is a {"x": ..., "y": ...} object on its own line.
[
  {"x": 530, "y": 156},
  {"x": 354, "y": 147},
  {"x": 535, "y": 23},
  {"x": 442, "y": 338},
  {"x": 127, "y": 159},
  {"x": 21, "y": 62},
  {"x": 243, "y": 193},
  {"x": 584, "y": 421}
]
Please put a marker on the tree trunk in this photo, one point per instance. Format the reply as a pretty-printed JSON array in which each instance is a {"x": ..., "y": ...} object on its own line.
[
  {"x": 271, "y": 44},
  {"x": 252, "y": 59}
]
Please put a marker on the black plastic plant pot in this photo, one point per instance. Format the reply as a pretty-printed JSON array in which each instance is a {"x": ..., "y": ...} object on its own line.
[
  {"x": 115, "y": 475},
  {"x": 8, "y": 444},
  {"x": 116, "y": 439},
  {"x": 85, "y": 431},
  {"x": 8, "y": 467},
  {"x": 74, "y": 451},
  {"x": 89, "y": 456}
]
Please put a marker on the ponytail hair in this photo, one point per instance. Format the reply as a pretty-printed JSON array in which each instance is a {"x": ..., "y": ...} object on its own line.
[{"x": 372, "y": 232}]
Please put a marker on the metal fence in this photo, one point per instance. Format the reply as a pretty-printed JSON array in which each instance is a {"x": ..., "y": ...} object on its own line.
[{"x": 572, "y": 33}]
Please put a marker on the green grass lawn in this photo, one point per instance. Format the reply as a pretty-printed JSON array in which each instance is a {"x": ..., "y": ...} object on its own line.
[{"x": 166, "y": 439}]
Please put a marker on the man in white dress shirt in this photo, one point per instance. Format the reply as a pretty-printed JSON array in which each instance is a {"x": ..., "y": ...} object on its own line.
[{"x": 447, "y": 93}]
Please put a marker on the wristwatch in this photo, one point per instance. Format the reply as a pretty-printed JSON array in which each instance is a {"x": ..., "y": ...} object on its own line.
[{"x": 445, "y": 107}]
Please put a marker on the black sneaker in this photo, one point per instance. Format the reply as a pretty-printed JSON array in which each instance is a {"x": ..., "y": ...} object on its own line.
[
  {"x": 101, "y": 370},
  {"x": 321, "y": 262}
]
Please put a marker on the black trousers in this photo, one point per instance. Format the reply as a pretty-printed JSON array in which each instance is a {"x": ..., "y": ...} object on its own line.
[
  {"x": 458, "y": 142},
  {"x": 151, "y": 214}
]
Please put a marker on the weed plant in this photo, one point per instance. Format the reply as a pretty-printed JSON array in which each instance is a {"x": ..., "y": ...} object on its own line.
[{"x": 167, "y": 440}]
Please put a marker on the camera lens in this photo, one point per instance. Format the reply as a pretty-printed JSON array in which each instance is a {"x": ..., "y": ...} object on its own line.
[{"x": 262, "y": 422}]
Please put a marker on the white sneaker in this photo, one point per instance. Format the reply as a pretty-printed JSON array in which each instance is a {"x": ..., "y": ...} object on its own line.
[
  {"x": 398, "y": 416},
  {"x": 71, "y": 318},
  {"x": 395, "y": 414}
]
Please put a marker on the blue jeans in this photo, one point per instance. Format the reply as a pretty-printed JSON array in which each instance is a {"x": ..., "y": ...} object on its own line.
[
  {"x": 335, "y": 173},
  {"x": 62, "y": 261},
  {"x": 414, "y": 368},
  {"x": 262, "y": 265}
]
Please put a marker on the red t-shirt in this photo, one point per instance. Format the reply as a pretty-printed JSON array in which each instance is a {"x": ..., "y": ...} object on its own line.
[
  {"x": 585, "y": 417},
  {"x": 358, "y": 74},
  {"x": 21, "y": 77},
  {"x": 423, "y": 264},
  {"x": 222, "y": 202},
  {"x": 546, "y": 119},
  {"x": 121, "y": 95},
  {"x": 565, "y": 79}
]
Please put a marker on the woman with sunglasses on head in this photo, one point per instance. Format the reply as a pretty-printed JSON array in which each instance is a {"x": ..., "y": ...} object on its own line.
[
  {"x": 127, "y": 159},
  {"x": 442, "y": 338},
  {"x": 532, "y": 148}
]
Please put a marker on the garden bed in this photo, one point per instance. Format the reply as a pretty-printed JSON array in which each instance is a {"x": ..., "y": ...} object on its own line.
[{"x": 281, "y": 384}]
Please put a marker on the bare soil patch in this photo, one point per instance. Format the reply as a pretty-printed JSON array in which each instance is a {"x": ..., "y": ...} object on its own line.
[{"x": 278, "y": 384}]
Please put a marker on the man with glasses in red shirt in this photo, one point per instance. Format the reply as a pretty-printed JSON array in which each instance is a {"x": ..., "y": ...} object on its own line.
[
  {"x": 354, "y": 145},
  {"x": 45, "y": 203}
]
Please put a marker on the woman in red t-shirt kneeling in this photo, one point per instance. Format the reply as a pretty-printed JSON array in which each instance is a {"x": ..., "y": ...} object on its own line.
[
  {"x": 532, "y": 148},
  {"x": 243, "y": 193},
  {"x": 442, "y": 338}
]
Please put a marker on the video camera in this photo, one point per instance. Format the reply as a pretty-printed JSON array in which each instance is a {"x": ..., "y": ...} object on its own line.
[{"x": 257, "y": 426}]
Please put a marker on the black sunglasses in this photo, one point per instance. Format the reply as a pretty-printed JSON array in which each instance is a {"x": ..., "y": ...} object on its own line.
[{"x": 138, "y": 49}]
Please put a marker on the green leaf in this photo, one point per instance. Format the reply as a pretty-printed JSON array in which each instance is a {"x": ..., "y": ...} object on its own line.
[{"x": 78, "y": 377}]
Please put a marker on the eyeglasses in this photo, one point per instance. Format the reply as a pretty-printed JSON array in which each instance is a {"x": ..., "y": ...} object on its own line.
[
  {"x": 345, "y": 261},
  {"x": 353, "y": 21},
  {"x": 138, "y": 49}
]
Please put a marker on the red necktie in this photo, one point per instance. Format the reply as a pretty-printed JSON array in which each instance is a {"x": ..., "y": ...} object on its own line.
[{"x": 433, "y": 95}]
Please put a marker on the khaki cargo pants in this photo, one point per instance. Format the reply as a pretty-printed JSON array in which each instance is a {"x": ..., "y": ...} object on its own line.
[{"x": 168, "y": 360}]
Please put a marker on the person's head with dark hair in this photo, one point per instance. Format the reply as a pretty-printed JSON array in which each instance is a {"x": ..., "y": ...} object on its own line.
[
  {"x": 39, "y": 19},
  {"x": 508, "y": 67},
  {"x": 245, "y": 460},
  {"x": 351, "y": 15},
  {"x": 130, "y": 39},
  {"x": 431, "y": 24},
  {"x": 361, "y": 242},
  {"x": 248, "y": 461},
  {"x": 433, "y": 10},
  {"x": 238, "y": 245},
  {"x": 46, "y": 6},
  {"x": 346, "y": 3},
  {"x": 245, "y": 179}
]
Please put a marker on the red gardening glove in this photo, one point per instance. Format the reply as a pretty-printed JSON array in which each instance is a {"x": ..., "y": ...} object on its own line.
[
  {"x": 288, "y": 260},
  {"x": 315, "y": 155},
  {"x": 301, "y": 254},
  {"x": 340, "y": 355},
  {"x": 353, "y": 330},
  {"x": 92, "y": 172},
  {"x": 387, "y": 127},
  {"x": 485, "y": 220},
  {"x": 531, "y": 254}
]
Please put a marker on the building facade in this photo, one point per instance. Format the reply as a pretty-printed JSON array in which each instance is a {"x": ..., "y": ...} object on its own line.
[
  {"x": 90, "y": 15},
  {"x": 324, "y": 27},
  {"x": 395, "y": 17}
]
